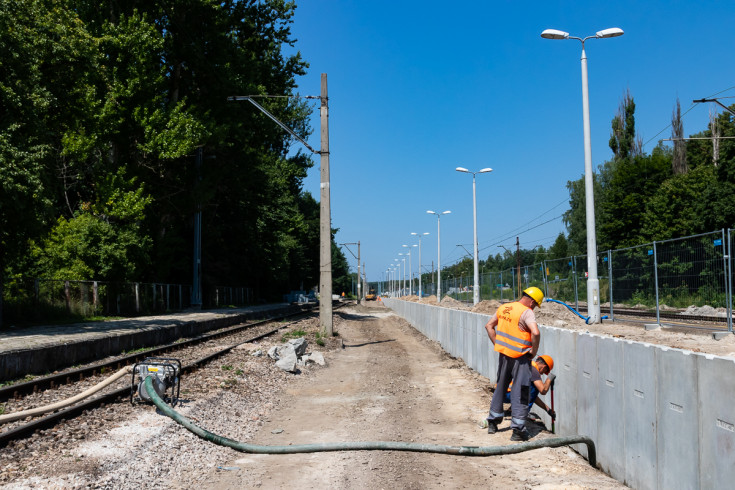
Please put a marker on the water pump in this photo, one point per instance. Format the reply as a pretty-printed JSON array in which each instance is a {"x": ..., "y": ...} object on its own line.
[{"x": 165, "y": 372}]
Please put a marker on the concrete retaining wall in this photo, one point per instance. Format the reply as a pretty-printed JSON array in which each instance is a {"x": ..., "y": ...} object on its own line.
[{"x": 660, "y": 417}]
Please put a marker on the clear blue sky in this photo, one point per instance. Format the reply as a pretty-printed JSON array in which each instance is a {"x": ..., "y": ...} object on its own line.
[{"x": 418, "y": 88}]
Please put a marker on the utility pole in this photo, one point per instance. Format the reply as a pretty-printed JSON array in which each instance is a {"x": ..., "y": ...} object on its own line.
[
  {"x": 196, "y": 287},
  {"x": 325, "y": 221},
  {"x": 325, "y": 213},
  {"x": 359, "y": 276},
  {"x": 518, "y": 260}
]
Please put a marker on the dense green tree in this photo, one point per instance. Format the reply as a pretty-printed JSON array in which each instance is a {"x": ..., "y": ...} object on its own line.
[{"x": 106, "y": 102}]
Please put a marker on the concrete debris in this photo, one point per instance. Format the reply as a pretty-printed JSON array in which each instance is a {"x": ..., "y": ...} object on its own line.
[{"x": 292, "y": 354}]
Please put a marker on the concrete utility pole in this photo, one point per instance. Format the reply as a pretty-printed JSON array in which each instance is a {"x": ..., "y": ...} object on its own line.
[
  {"x": 196, "y": 287},
  {"x": 325, "y": 213},
  {"x": 359, "y": 277},
  {"x": 325, "y": 221},
  {"x": 518, "y": 262}
]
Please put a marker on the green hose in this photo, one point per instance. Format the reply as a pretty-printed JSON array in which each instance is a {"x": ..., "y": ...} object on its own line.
[{"x": 370, "y": 445}]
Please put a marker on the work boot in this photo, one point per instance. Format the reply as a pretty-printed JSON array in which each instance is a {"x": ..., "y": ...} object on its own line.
[
  {"x": 492, "y": 427},
  {"x": 519, "y": 435}
]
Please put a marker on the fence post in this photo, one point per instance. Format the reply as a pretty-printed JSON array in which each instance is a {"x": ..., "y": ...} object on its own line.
[
  {"x": 137, "y": 298},
  {"x": 67, "y": 296},
  {"x": 94, "y": 296},
  {"x": 543, "y": 274},
  {"x": 655, "y": 278},
  {"x": 728, "y": 282},
  {"x": 574, "y": 274},
  {"x": 610, "y": 279}
]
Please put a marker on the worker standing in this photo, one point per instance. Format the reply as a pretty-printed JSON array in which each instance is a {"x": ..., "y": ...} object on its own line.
[{"x": 514, "y": 332}]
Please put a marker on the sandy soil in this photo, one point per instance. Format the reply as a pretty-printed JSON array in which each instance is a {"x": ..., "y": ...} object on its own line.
[{"x": 390, "y": 383}]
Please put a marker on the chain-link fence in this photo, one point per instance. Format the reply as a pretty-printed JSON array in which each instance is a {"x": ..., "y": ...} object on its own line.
[{"x": 690, "y": 276}]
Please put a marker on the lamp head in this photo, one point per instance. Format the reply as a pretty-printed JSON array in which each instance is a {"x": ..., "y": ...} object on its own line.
[
  {"x": 447, "y": 212},
  {"x": 612, "y": 32},
  {"x": 554, "y": 34},
  {"x": 431, "y": 212},
  {"x": 462, "y": 169},
  {"x": 484, "y": 170}
]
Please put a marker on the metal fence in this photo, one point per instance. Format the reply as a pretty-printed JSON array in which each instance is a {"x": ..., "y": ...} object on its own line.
[
  {"x": 692, "y": 273},
  {"x": 47, "y": 300}
]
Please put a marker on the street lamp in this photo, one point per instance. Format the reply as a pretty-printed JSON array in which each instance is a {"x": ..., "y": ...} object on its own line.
[
  {"x": 421, "y": 292},
  {"x": 410, "y": 269},
  {"x": 438, "y": 252},
  {"x": 593, "y": 283},
  {"x": 476, "y": 288},
  {"x": 403, "y": 278}
]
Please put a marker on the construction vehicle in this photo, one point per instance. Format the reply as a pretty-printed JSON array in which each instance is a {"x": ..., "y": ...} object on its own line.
[{"x": 371, "y": 296}]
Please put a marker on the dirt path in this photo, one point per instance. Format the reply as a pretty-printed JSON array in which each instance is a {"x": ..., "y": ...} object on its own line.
[{"x": 390, "y": 383}]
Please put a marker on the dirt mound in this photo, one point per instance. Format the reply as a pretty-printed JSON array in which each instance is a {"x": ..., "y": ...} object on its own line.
[
  {"x": 488, "y": 306},
  {"x": 413, "y": 298},
  {"x": 705, "y": 310},
  {"x": 557, "y": 315},
  {"x": 450, "y": 302},
  {"x": 429, "y": 300}
]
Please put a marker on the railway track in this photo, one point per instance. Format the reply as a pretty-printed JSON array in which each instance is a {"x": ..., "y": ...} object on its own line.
[{"x": 192, "y": 359}]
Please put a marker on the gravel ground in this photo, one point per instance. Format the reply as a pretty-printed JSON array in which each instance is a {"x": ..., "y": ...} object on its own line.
[{"x": 122, "y": 446}]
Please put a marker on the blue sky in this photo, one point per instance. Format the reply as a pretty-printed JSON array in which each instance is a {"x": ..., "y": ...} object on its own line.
[{"x": 418, "y": 88}]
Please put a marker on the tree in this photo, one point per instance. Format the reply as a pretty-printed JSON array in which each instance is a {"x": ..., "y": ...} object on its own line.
[
  {"x": 624, "y": 142},
  {"x": 679, "y": 159},
  {"x": 674, "y": 209}
]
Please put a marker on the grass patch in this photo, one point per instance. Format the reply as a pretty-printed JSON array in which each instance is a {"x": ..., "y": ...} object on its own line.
[
  {"x": 227, "y": 367},
  {"x": 293, "y": 335}
]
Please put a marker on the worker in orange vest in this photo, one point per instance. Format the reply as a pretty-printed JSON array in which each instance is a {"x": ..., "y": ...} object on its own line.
[{"x": 514, "y": 333}]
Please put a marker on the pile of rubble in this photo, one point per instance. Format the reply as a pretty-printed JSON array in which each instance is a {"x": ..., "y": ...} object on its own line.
[{"x": 291, "y": 355}]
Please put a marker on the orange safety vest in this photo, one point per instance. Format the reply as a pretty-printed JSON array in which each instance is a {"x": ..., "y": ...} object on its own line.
[{"x": 511, "y": 340}]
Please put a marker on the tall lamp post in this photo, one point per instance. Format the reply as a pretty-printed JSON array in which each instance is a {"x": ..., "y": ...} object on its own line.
[
  {"x": 476, "y": 287},
  {"x": 410, "y": 269},
  {"x": 438, "y": 252},
  {"x": 593, "y": 283},
  {"x": 421, "y": 292}
]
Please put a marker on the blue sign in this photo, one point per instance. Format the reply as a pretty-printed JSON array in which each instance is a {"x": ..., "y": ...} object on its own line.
[
  {"x": 718, "y": 242},
  {"x": 604, "y": 259},
  {"x": 650, "y": 252},
  {"x": 570, "y": 264}
]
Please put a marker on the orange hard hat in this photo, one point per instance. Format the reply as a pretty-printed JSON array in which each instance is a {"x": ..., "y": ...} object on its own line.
[{"x": 549, "y": 361}]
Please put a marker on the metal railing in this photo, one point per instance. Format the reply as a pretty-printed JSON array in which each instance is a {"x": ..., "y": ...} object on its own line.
[
  {"x": 49, "y": 300},
  {"x": 693, "y": 274}
]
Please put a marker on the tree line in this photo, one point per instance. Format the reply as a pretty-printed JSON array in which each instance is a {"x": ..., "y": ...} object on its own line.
[
  {"x": 106, "y": 106},
  {"x": 677, "y": 190}
]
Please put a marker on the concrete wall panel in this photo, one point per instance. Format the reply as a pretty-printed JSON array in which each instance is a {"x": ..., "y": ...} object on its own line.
[
  {"x": 677, "y": 414},
  {"x": 610, "y": 406},
  {"x": 587, "y": 385},
  {"x": 716, "y": 378},
  {"x": 639, "y": 401},
  {"x": 549, "y": 343},
  {"x": 565, "y": 389}
]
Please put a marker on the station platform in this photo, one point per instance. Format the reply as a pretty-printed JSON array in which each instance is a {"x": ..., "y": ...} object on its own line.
[{"x": 44, "y": 349}]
